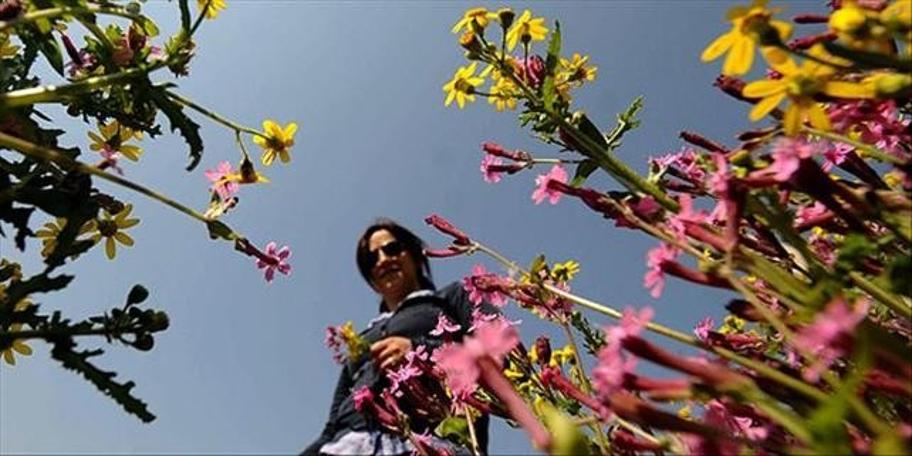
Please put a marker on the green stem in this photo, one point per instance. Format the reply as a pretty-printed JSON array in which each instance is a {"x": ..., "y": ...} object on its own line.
[
  {"x": 70, "y": 11},
  {"x": 48, "y": 334},
  {"x": 52, "y": 93},
  {"x": 584, "y": 382},
  {"x": 893, "y": 302},
  {"x": 65, "y": 162},
  {"x": 874, "y": 152},
  {"x": 212, "y": 115}
]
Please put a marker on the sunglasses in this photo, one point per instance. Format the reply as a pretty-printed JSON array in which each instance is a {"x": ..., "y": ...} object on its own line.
[{"x": 390, "y": 249}]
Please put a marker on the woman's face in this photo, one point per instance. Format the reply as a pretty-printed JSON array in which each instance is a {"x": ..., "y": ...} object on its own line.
[{"x": 394, "y": 276}]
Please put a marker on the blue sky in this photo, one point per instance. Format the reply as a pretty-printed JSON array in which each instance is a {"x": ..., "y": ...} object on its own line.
[{"x": 242, "y": 368}]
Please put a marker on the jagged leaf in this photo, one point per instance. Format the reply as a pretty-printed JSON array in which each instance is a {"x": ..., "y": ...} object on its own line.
[
  {"x": 180, "y": 122},
  {"x": 549, "y": 89}
]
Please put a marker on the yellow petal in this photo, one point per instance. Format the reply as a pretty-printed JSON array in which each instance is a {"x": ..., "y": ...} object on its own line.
[
  {"x": 131, "y": 152},
  {"x": 110, "y": 248},
  {"x": 792, "y": 121},
  {"x": 268, "y": 157},
  {"x": 284, "y": 156},
  {"x": 124, "y": 213},
  {"x": 783, "y": 28},
  {"x": 765, "y": 106},
  {"x": 718, "y": 47},
  {"x": 290, "y": 130},
  {"x": 449, "y": 99},
  {"x": 260, "y": 141},
  {"x": 740, "y": 58},
  {"x": 781, "y": 62},
  {"x": 842, "y": 89},
  {"x": 123, "y": 238},
  {"x": 818, "y": 117},
  {"x": 8, "y": 357},
  {"x": 22, "y": 348},
  {"x": 763, "y": 88},
  {"x": 268, "y": 126},
  {"x": 127, "y": 223}
]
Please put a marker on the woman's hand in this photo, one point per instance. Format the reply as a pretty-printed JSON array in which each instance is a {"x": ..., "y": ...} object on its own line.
[{"x": 389, "y": 352}]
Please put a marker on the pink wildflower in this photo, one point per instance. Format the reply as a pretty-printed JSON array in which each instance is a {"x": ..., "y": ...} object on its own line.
[
  {"x": 220, "y": 185},
  {"x": 807, "y": 213},
  {"x": 542, "y": 191},
  {"x": 703, "y": 328},
  {"x": 274, "y": 259},
  {"x": 445, "y": 227},
  {"x": 787, "y": 155},
  {"x": 655, "y": 277},
  {"x": 685, "y": 163},
  {"x": 828, "y": 336},
  {"x": 477, "y": 295},
  {"x": 877, "y": 122},
  {"x": 444, "y": 326},
  {"x": 835, "y": 155},
  {"x": 110, "y": 157},
  {"x": 460, "y": 361},
  {"x": 686, "y": 216},
  {"x": 402, "y": 375},
  {"x": 490, "y": 175},
  {"x": 614, "y": 365}
]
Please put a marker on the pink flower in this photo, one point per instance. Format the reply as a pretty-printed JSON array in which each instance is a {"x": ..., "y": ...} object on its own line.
[
  {"x": 877, "y": 122},
  {"x": 480, "y": 318},
  {"x": 828, "y": 336},
  {"x": 491, "y": 176},
  {"x": 542, "y": 191},
  {"x": 402, "y": 375},
  {"x": 477, "y": 295},
  {"x": 807, "y": 213},
  {"x": 220, "y": 185},
  {"x": 363, "y": 398},
  {"x": 787, "y": 156},
  {"x": 273, "y": 260},
  {"x": 835, "y": 155},
  {"x": 614, "y": 364},
  {"x": 444, "y": 326},
  {"x": 686, "y": 216},
  {"x": 110, "y": 157},
  {"x": 685, "y": 162},
  {"x": 655, "y": 277},
  {"x": 703, "y": 328},
  {"x": 460, "y": 361}
]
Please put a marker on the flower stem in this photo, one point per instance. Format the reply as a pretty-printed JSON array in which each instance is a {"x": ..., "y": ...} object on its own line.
[
  {"x": 471, "y": 426},
  {"x": 893, "y": 302},
  {"x": 212, "y": 115},
  {"x": 70, "y": 11},
  {"x": 65, "y": 162},
  {"x": 52, "y": 93},
  {"x": 874, "y": 152}
]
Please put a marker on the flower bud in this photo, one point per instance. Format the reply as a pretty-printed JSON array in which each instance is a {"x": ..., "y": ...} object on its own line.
[
  {"x": 847, "y": 20},
  {"x": 144, "y": 342},
  {"x": 469, "y": 41},
  {"x": 158, "y": 322},
  {"x": 10, "y": 9},
  {"x": 543, "y": 350},
  {"x": 893, "y": 85},
  {"x": 506, "y": 16}
]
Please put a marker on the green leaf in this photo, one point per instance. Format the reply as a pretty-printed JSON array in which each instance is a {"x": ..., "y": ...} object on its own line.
[
  {"x": 589, "y": 129},
  {"x": 900, "y": 273},
  {"x": 454, "y": 429},
  {"x": 51, "y": 50},
  {"x": 549, "y": 89},
  {"x": 218, "y": 230},
  {"x": 149, "y": 27},
  {"x": 566, "y": 436},
  {"x": 583, "y": 171},
  {"x": 180, "y": 122}
]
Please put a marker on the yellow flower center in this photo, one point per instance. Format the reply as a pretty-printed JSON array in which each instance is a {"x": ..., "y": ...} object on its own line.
[
  {"x": 463, "y": 86},
  {"x": 755, "y": 22},
  {"x": 107, "y": 228},
  {"x": 800, "y": 85}
]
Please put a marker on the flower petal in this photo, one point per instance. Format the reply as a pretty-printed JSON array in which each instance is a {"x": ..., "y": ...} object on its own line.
[
  {"x": 818, "y": 117},
  {"x": 842, "y": 89},
  {"x": 110, "y": 248},
  {"x": 718, "y": 47},
  {"x": 791, "y": 123},
  {"x": 765, "y": 106},
  {"x": 740, "y": 58},
  {"x": 123, "y": 238},
  {"x": 764, "y": 88}
]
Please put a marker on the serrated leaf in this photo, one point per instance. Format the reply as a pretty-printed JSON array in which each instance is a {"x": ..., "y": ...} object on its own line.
[
  {"x": 50, "y": 48},
  {"x": 180, "y": 122}
]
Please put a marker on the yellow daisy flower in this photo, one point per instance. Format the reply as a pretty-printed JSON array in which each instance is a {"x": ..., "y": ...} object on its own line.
[
  {"x": 503, "y": 94},
  {"x": 800, "y": 85},
  {"x": 480, "y": 16},
  {"x": 51, "y": 230},
  {"x": 526, "y": 29},
  {"x": 111, "y": 228},
  {"x": 749, "y": 24},
  {"x": 214, "y": 7},
  {"x": 113, "y": 138},
  {"x": 575, "y": 69},
  {"x": 7, "y": 48},
  {"x": 860, "y": 28},
  {"x": 566, "y": 271},
  {"x": 246, "y": 174},
  {"x": 462, "y": 87},
  {"x": 277, "y": 141}
]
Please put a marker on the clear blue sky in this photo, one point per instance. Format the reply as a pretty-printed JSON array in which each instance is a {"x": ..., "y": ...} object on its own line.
[{"x": 243, "y": 368}]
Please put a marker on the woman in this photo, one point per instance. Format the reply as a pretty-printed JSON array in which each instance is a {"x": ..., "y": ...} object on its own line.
[{"x": 391, "y": 259}]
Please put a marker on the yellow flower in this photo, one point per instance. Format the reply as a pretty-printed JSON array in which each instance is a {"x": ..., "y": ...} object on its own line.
[
  {"x": 49, "y": 232},
  {"x": 113, "y": 138},
  {"x": 526, "y": 29},
  {"x": 18, "y": 346},
  {"x": 575, "y": 69},
  {"x": 503, "y": 94},
  {"x": 800, "y": 85},
  {"x": 277, "y": 141},
  {"x": 480, "y": 16},
  {"x": 898, "y": 19},
  {"x": 513, "y": 372},
  {"x": 7, "y": 48},
  {"x": 562, "y": 356},
  {"x": 213, "y": 8},
  {"x": 564, "y": 272},
  {"x": 859, "y": 28},
  {"x": 749, "y": 25},
  {"x": 111, "y": 228},
  {"x": 462, "y": 87}
]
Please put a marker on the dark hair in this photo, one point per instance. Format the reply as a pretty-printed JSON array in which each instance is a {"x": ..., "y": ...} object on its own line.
[{"x": 412, "y": 243}]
